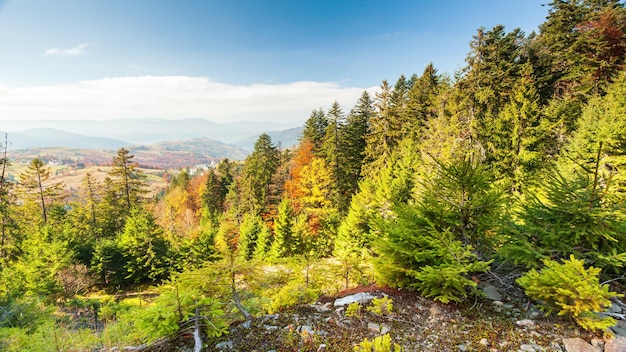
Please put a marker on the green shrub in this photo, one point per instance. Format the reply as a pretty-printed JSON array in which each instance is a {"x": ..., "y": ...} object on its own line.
[
  {"x": 354, "y": 310},
  {"x": 570, "y": 290},
  {"x": 378, "y": 344},
  {"x": 381, "y": 306}
]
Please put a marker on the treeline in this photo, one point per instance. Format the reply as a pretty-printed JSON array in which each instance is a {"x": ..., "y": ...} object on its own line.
[{"x": 519, "y": 158}]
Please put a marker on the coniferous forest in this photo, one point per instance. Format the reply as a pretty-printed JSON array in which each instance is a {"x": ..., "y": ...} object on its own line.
[{"x": 516, "y": 165}]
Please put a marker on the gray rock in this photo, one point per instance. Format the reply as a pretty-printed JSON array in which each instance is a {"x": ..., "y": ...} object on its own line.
[
  {"x": 270, "y": 327},
  {"x": 527, "y": 348},
  {"x": 525, "y": 323},
  {"x": 362, "y": 297},
  {"x": 226, "y": 345},
  {"x": 617, "y": 344},
  {"x": 614, "y": 308},
  {"x": 492, "y": 293},
  {"x": 305, "y": 328},
  {"x": 461, "y": 347},
  {"x": 620, "y": 328},
  {"x": 379, "y": 328},
  {"x": 322, "y": 308},
  {"x": 246, "y": 324},
  {"x": 577, "y": 344}
]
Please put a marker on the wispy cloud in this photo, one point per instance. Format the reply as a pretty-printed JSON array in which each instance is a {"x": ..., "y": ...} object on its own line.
[
  {"x": 173, "y": 97},
  {"x": 81, "y": 49}
]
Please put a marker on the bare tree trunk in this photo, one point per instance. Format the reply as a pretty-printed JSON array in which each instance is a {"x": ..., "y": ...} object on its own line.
[{"x": 233, "y": 287}]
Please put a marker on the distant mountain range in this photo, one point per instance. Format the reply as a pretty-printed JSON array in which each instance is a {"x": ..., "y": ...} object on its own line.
[
  {"x": 49, "y": 137},
  {"x": 203, "y": 137},
  {"x": 149, "y": 131}
]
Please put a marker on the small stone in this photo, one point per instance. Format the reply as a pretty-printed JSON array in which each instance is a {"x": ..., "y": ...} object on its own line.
[
  {"x": 492, "y": 293},
  {"x": 246, "y": 325},
  {"x": 616, "y": 344},
  {"x": 484, "y": 342},
  {"x": 434, "y": 311},
  {"x": 525, "y": 323},
  {"x": 577, "y": 344},
  {"x": 527, "y": 348},
  {"x": 533, "y": 312},
  {"x": 322, "y": 308},
  {"x": 226, "y": 345},
  {"x": 305, "y": 329},
  {"x": 498, "y": 303},
  {"x": 321, "y": 348},
  {"x": 461, "y": 347},
  {"x": 379, "y": 328},
  {"x": 270, "y": 327}
]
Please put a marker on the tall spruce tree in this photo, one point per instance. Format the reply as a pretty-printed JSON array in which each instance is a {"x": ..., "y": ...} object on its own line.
[
  {"x": 315, "y": 128},
  {"x": 128, "y": 179},
  {"x": 354, "y": 144},
  {"x": 256, "y": 176},
  {"x": 33, "y": 182}
]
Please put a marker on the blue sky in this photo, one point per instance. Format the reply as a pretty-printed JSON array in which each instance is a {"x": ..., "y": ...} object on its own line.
[{"x": 227, "y": 60}]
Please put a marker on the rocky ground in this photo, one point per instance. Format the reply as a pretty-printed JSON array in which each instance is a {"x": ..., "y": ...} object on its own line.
[{"x": 501, "y": 321}]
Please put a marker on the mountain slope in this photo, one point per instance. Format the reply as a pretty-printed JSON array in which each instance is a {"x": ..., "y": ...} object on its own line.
[
  {"x": 286, "y": 138},
  {"x": 148, "y": 131},
  {"x": 49, "y": 137}
]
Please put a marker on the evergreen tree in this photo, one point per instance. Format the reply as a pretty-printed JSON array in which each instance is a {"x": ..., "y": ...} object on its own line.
[
  {"x": 334, "y": 153},
  {"x": 111, "y": 209},
  {"x": 9, "y": 236},
  {"x": 258, "y": 169},
  {"x": 385, "y": 129},
  {"x": 129, "y": 181},
  {"x": 213, "y": 195},
  {"x": 354, "y": 144},
  {"x": 421, "y": 101},
  {"x": 521, "y": 142},
  {"x": 146, "y": 253},
  {"x": 315, "y": 128},
  {"x": 284, "y": 243},
  {"x": 428, "y": 244},
  {"x": 35, "y": 188},
  {"x": 492, "y": 72}
]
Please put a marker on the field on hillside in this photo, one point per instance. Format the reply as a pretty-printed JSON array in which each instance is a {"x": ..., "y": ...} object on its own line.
[{"x": 72, "y": 177}]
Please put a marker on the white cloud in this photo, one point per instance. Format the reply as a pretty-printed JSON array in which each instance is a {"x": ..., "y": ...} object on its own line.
[
  {"x": 172, "y": 97},
  {"x": 81, "y": 49}
]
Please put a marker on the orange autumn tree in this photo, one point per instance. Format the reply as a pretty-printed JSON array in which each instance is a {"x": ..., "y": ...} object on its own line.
[{"x": 302, "y": 158}]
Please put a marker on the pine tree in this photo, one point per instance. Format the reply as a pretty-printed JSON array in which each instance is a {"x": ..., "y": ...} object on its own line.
[
  {"x": 428, "y": 243},
  {"x": 284, "y": 243},
  {"x": 334, "y": 151},
  {"x": 385, "y": 129},
  {"x": 421, "y": 101},
  {"x": 256, "y": 176},
  {"x": 35, "y": 188},
  {"x": 354, "y": 144},
  {"x": 146, "y": 253},
  {"x": 129, "y": 181},
  {"x": 213, "y": 195},
  {"x": 9, "y": 236},
  {"x": 315, "y": 128}
]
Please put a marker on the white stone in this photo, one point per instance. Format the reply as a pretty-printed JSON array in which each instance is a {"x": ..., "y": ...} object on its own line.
[
  {"x": 362, "y": 297},
  {"x": 525, "y": 323}
]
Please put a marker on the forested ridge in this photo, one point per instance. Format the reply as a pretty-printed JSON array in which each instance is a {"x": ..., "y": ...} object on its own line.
[{"x": 516, "y": 161}]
